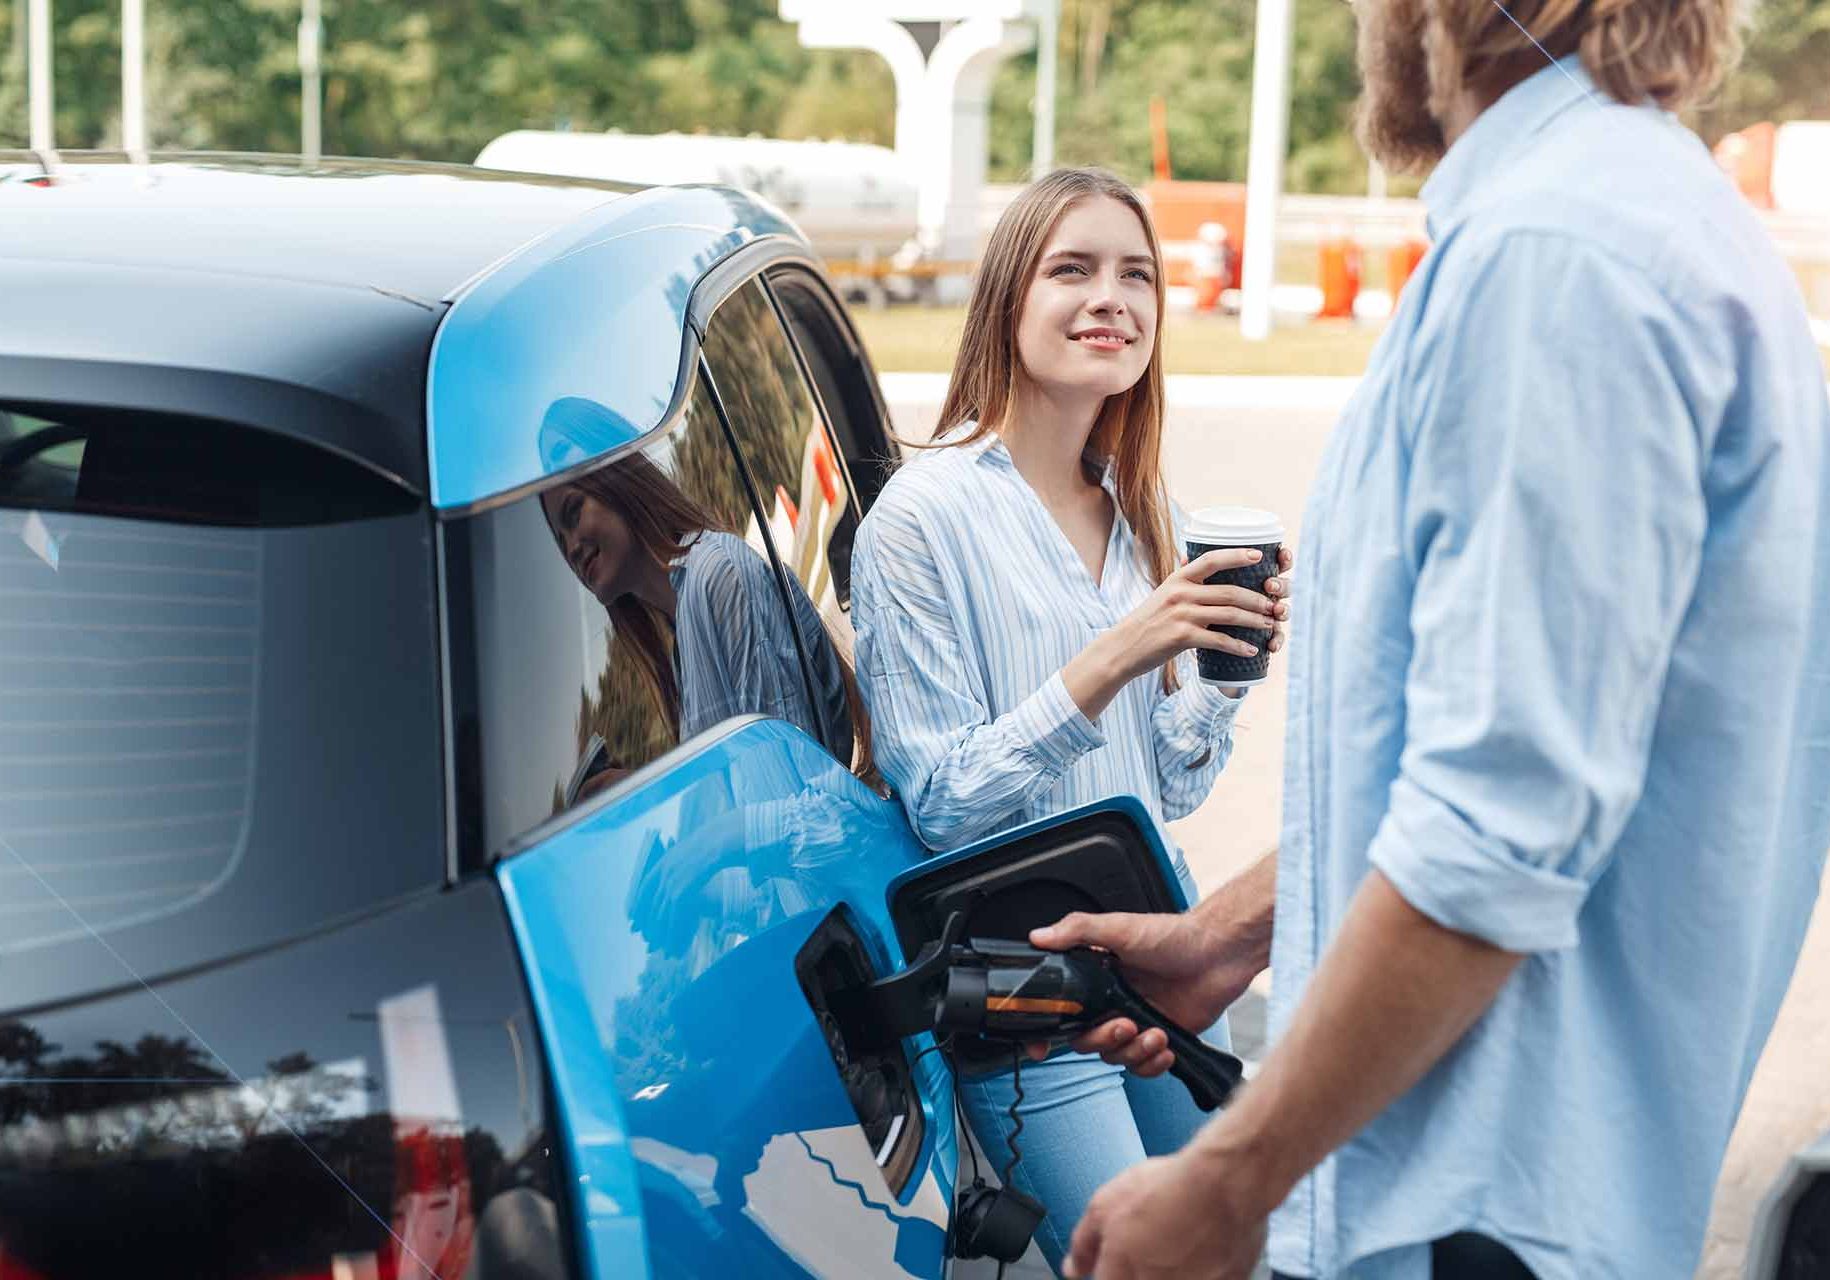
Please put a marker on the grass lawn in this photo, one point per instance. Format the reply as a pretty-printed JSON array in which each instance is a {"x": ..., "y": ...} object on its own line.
[{"x": 918, "y": 339}]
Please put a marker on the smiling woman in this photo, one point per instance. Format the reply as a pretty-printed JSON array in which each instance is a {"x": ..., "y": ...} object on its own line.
[
  {"x": 1076, "y": 252},
  {"x": 1120, "y": 265},
  {"x": 1023, "y": 625}
]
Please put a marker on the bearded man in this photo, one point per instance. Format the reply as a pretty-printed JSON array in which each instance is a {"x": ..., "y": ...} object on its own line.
[{"x": 1555, "y": 809}]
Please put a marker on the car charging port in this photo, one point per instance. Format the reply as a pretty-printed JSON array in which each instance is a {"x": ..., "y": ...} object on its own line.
[{"x": 876, "y": 1075}]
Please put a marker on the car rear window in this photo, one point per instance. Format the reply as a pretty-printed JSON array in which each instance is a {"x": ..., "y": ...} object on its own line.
[{"x": 219, "y": 722}]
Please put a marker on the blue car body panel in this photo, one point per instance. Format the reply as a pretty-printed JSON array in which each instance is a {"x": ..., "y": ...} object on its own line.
[
  {"x": 596, "y": 310},
  {"x": 706, "y": 1126}
]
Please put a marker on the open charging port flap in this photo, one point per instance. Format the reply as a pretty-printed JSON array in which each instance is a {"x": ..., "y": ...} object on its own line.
[
  {"x": 877, "y": 1076},
  {"x": 1098, "y": 861}
]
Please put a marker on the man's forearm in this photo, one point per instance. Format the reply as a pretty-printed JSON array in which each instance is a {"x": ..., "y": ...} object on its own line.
[
  {"x": 1241, "y": 910},
  {"x": 1391, "y": 996}
]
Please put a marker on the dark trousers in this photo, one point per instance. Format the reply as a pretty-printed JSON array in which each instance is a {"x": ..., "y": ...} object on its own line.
[{"x": 1467, "y": 1256}]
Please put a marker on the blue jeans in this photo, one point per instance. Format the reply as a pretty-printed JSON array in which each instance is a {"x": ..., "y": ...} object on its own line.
[{"x": 1084, "y": 1123}]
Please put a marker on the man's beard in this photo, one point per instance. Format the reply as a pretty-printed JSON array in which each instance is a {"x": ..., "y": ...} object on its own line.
[{"x": 1393, "y": 120}]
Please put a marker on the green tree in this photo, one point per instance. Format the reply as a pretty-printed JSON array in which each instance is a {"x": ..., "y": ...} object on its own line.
[
  {"x": 1784, "y": 73},
  {"x": 1115, "y": 55},
  {"x": 437, "y": 81}
]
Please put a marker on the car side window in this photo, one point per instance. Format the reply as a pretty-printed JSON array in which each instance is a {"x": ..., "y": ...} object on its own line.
[
  {"x": 614, "y": 615},
  {"x": 802, "y": 483},
  {"x": 843, "y": 376}
]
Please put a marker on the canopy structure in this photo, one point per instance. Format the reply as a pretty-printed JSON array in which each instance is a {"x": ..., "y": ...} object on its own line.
[
  {"x": 1264, "y": 177},
  {"x": 943, "y": 57}
]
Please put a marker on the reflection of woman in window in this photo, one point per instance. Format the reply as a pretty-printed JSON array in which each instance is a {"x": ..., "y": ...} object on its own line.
[
  {"x": 699, "y": 613},
  {"x": 695, "y": 608},
  {"x": 1023, "y": 625}
]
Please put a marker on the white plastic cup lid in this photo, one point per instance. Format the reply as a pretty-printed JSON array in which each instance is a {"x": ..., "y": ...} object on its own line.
[{"x": 1234, "y": 527}]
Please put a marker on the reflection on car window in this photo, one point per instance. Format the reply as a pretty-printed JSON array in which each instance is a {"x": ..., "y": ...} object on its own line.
[
  {"x": 695, "y": 610},
  {"x": 110, "y": 461},
  {"x": 39, "y": 459},
  {"x": 176, "y": 699},
  {"x": 621, "y": 613},
  {"x": 357, "y": 1103},
  {"x": 803, "y": 486}
]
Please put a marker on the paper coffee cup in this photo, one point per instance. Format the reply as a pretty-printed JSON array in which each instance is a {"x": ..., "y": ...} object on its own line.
[{"x": 1212, "y": 528}]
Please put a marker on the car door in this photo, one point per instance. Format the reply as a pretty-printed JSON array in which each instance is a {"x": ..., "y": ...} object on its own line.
[{"x": 654, "y": 739}]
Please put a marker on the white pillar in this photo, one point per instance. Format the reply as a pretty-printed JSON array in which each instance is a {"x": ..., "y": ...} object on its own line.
[
  {"x": 311, "y": 87},
  {"x": 958, "y": 92},
  {"x": 1264, "y": 179},
  {"x": 1048, "y": 50},
  {"x": 942, "y": 99},
  {"x": 38, "y": 73},
  {"x": 133, "y": 77},
  {"x": 892, "y": 42}
]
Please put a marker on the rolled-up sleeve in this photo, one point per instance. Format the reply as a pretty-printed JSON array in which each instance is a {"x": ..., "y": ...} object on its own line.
[
  {"x": 959, "y": 772},
  {"x": 1193, "y": 738},
  {"x": 1554, "y": 524}
]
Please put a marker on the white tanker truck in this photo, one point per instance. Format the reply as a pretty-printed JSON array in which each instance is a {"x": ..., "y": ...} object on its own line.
[{"x": 854, "y": 201}]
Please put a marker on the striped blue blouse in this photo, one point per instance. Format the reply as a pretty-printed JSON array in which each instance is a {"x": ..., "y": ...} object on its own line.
[{"x": 968, "y": 600}]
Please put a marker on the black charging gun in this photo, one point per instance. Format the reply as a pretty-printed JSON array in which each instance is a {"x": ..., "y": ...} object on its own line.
[
  {"x": 992, "y": 989},
  {"x": 1012, "y": 992}
]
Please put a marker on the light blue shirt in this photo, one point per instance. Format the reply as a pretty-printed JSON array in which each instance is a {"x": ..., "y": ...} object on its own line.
[
  {"x": 1560, "y": 669},
  {"x": 736, "y": 652},
  {"x": 968, "y": 599}
]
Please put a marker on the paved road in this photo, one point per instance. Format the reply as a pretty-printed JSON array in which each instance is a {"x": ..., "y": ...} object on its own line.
[{"x": 1264, "y": 457}]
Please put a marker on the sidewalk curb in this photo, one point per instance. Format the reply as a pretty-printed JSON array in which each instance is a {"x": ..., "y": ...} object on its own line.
[{"x": 1186, "y": 390}]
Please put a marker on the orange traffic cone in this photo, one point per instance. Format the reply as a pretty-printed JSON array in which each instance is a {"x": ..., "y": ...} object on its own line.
[
  {"x": 1340, "y": 278},
  {"x": 1400, "y": 260}
]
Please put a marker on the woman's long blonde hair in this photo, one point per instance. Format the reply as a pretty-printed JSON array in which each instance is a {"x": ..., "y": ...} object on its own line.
[{"x": 1129, "y": 429}]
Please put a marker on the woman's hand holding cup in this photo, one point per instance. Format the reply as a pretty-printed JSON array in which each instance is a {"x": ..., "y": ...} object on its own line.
[
  {"x": 1241, "y": 528},
  {"x": 1178, "y": 614}
]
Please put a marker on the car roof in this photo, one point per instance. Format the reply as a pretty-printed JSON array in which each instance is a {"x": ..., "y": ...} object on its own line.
[
  {"x": 260, "y": 289},
  {"x": 416, "y": 229}
]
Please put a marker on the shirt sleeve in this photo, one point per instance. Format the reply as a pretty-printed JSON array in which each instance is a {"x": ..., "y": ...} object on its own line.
[
  {"x": 959, "y": 772},
  {"x": 1193, "y": 737},
  {"x": 1192, "y": 728},
  {"x": 1553, "y": 521},
  {"x": 736, "y": 655}
]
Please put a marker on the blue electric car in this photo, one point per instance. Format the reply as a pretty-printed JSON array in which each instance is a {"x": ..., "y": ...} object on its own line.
[{"x": 436, "y": 810}]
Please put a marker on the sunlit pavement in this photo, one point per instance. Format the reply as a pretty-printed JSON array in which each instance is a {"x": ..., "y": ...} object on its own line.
[{"x": 1257, "y": 442}]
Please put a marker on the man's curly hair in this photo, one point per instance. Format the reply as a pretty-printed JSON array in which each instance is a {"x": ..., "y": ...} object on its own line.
[{"x": 1673, "y": 52}]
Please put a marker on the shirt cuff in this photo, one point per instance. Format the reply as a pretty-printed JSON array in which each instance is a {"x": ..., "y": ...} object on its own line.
[
  {"x": 1210, "y": 710},
  {"x": 1052, "y": 726},
  {"x": 1470, "y": 882}
]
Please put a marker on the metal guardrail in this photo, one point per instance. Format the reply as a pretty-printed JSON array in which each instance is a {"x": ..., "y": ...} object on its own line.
[
  {"x": 883, "y": 268},
  {"x": 1803, "y": 239},
  {"x": 1374, "y": 224}
]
